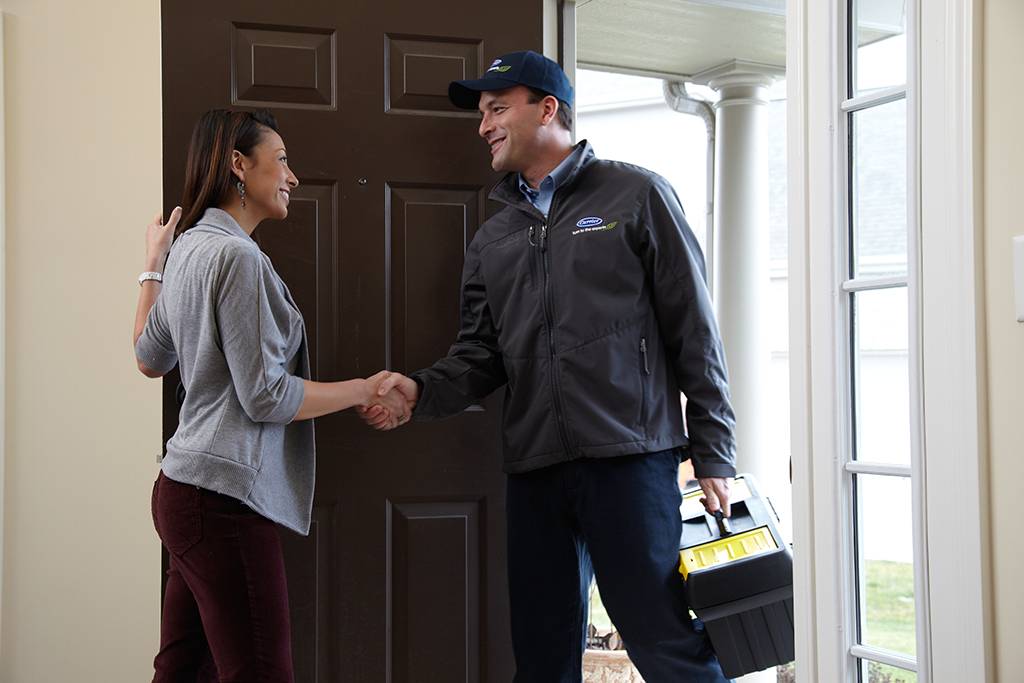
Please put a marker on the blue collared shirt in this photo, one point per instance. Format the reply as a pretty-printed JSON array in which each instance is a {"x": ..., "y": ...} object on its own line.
[{"x": 541, "y": 197}]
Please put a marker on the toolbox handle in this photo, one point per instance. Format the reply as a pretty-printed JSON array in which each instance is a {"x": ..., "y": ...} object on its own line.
[{"x": 722, "y": 522}]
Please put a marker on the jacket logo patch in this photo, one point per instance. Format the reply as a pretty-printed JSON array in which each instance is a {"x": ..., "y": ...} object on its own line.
[
  {"x": 589, "y": 222},
  {"x": 594, "y": 227}
]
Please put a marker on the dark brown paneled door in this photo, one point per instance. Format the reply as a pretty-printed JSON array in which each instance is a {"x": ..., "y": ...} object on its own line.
[{"x": 402, "y": 577}]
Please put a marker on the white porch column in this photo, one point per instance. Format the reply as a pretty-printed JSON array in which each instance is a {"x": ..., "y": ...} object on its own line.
[
  {"x": 741, "y": 280},
  {"x": 740, "y": 271}
]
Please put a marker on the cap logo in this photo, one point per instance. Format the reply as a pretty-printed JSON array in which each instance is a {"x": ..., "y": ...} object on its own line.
[{"x": 500, "y": 69}]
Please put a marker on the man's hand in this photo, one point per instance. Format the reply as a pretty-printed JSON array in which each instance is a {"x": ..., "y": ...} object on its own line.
[
  {"x": 396, "y": 397},
  {"x": 716, "y": 494}
]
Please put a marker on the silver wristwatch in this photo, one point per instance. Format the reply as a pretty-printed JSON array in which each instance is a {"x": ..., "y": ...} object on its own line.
[{"x": 150, "y": 275}]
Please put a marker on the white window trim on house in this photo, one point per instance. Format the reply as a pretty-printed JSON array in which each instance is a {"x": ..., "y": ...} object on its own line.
[{"x": 954, "y": 624}]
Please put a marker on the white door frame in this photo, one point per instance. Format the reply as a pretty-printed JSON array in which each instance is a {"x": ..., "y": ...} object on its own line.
[
  {"x": 952, "y": 315},
  {"x": 957, "y": 643}
]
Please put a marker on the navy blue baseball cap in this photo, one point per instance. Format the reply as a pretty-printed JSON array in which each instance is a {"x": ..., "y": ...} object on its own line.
[{"x": 507, "y": 71}]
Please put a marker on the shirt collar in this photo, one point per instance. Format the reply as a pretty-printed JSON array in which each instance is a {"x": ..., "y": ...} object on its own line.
[{"x": 557, "y": 176}]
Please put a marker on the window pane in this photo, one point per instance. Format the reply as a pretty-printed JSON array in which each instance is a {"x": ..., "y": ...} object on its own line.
[
  {"x": 879, "y": 190},
  {"x": 878, "y": 32},
  {"x": 885, "y": 563},
  {"x": 881, "y": 376},
  {"x": 873, "y": 672}
]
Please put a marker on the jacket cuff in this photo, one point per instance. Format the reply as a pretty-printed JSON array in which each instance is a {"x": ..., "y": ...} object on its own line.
[
  {"x": 419, "y": 410},
  {"x": 706, "y": 470}
]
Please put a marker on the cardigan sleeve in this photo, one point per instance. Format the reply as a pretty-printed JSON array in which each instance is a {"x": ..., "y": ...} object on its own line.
[
  {"x": 155, "y": 347},
  {"x": 255, "y": 325}
]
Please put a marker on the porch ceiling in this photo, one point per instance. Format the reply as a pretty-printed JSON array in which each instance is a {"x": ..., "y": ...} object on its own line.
[{"x": 685, "y": 37}]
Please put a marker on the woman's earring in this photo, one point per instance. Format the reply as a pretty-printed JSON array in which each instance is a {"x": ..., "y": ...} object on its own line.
[{"x": 241, "y": 191}]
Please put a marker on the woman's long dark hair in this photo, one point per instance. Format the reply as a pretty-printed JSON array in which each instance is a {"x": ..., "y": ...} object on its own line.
[{"x": 208, "y": 176}]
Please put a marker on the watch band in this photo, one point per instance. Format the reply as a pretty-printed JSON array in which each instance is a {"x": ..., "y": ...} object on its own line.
[{"x": 150, "y": 275}]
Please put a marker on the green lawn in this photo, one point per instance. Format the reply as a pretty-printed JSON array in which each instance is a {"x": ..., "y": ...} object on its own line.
[
  {"x": 890, "y": 616},
  {"x": 890, "y": 606},
  {"x": 890, "y": 624}
]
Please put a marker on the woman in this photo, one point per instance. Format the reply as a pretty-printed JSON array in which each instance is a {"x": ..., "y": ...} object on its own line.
[{"x": 242, "y": 457}]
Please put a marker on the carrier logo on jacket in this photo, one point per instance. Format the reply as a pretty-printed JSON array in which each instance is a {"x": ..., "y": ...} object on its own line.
[{"x": 592, "y": 224}]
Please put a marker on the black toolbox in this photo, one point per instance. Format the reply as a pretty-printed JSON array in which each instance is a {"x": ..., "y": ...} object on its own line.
[{"x": 739, "y": 579}]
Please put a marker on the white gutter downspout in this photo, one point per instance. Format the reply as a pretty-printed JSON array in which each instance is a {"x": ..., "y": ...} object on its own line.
[{"x": 683, "y": 102}]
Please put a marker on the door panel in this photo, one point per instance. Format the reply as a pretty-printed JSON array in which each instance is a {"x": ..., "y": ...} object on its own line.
[
  {"x": 402, "y": 577},
  {"x": 428, "y": 229},
  {"x": 434, "y": 594}
]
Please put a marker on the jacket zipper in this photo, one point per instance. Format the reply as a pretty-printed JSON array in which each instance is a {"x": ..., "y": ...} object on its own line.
[
  {"x": 549, "y": 320},
  {"x": 643, "y": 354}
]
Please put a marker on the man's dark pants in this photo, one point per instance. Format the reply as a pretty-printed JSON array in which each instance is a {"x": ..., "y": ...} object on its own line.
[{"x": 619, "y": 518}]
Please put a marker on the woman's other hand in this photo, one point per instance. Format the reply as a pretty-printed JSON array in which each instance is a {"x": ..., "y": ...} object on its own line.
[{"x": 159, "y": 236}]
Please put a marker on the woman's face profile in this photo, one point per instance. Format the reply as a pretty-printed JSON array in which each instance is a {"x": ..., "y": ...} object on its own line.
[{"x": 268, "y": 180}]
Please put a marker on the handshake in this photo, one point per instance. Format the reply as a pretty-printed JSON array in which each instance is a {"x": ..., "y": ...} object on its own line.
[{"x": 392, "y": 397}]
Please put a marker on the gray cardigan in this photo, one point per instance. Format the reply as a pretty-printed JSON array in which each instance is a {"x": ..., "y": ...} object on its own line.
[{"x": 226, "y": 318}]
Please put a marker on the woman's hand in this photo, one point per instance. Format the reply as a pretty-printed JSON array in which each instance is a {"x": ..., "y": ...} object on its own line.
[
  {"x": 159, "y": 236},
  {"x": 393, "y": 405}
]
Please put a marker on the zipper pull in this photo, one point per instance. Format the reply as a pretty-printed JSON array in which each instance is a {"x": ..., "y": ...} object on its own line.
[
  {"x": 643, "y": 354},
  {"x": 543, "y": 237},
  {"x": 529, "y": 236}
]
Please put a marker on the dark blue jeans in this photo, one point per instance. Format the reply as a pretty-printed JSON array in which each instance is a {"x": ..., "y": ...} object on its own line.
[{"x": 617, "y": 518}]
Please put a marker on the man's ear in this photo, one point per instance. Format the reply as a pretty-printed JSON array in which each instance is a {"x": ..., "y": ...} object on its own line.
[
  {"x": 549, "y": 108},
  {"x": 238, "y": 164}
]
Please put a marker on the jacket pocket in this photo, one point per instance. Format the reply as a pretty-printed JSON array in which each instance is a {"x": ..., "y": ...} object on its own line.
[
  {"x": 645, "y": 373},
  {"x": 603, "y": 386},
  {"x": 510, "y": 270},
  {"x": 529, "y": 423}
]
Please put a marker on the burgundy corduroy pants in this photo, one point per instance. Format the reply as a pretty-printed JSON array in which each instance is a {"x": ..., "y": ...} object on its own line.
[{"x": 225, "y": 613}]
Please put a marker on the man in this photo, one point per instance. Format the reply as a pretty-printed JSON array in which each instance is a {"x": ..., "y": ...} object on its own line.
[{"x": 585, "y": 295}]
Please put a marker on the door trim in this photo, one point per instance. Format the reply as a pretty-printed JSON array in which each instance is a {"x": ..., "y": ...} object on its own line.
[
  {"x": 953, "y": 348},
  {"x": 560, "y": 40},
  {"x": 3, "y": 313},
  {"x": 798, "y": 45}
]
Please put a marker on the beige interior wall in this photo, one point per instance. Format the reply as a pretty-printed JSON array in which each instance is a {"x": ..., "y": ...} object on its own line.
[
  {"x": 81, "y": 574},
  {"x": 1003, "y": 218}
]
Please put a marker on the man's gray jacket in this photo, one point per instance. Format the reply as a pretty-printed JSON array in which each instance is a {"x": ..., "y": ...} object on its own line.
[{"x": 595, "y": 319}]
